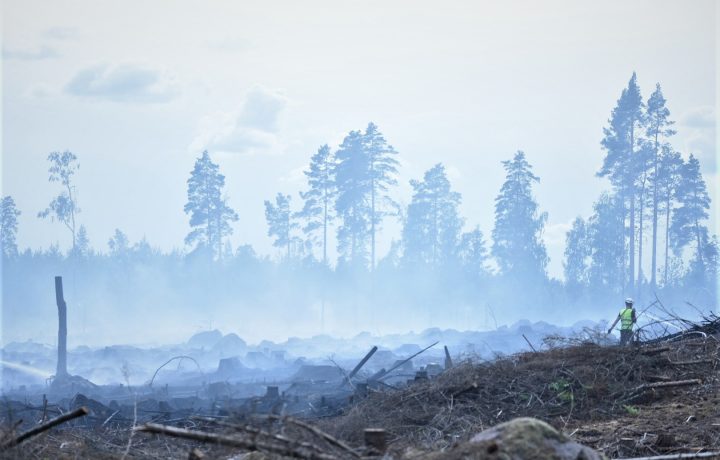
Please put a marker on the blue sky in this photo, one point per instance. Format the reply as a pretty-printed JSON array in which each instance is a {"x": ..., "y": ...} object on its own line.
[{"x": 138, "y": 89}]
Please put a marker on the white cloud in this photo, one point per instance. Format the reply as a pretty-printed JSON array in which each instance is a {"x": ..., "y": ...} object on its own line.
[
  {"x": 453, "y": 172},
  {"x": 43, "y": 52},
  {"x": 253, "y": 130},
  {"x": 230, "y": 44},
  {"x": 123, "y": 83},
  {"x": 699, "y": 117},
  {"x": 697, "y": 128},
  {"x": 295, "y": 176},
  {"x": 61, "y": 33}
]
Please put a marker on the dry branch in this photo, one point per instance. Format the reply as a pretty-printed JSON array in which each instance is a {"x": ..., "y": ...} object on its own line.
[
  {"x": 318, "y": 432},
  {"x": 79, "y": 412},
  {"x": 233, "y": 441},
  {"x": 678, "y": 456},
  {"x": 676, "y": 383}
]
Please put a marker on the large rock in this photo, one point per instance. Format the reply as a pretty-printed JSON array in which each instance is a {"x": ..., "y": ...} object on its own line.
[{"x": 519, "y": 439}]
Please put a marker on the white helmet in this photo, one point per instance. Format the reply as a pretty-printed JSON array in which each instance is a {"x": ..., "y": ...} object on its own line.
[{"x": 628, "y": 301}]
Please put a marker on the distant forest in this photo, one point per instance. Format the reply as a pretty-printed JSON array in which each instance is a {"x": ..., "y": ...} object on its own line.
[{"x": 648, "y": 236}]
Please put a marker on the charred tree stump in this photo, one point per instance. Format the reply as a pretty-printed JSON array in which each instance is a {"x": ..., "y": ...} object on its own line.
[
  {"x": 376, "y": 439},
  {"x": 61, "y": 371}
]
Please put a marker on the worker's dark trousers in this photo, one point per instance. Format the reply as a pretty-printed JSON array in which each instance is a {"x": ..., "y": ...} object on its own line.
[{"x": 625, "y": 336}]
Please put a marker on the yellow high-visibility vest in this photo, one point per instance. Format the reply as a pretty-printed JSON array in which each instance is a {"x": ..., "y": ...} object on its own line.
[{"x": 626, "y": 319}]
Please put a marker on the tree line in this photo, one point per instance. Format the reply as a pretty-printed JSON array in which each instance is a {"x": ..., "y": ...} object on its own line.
[{"x": 653, "y": 217}]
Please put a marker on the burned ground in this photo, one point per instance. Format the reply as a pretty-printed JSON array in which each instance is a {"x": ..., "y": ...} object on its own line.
[
  {"x": 610, "y": 398},
  {"x": 653, "y": 398}
]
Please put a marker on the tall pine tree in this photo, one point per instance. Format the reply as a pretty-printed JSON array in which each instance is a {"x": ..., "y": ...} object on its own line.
[
  {"x": 667, "y": 181},
  {"x": 8, "y": 226},
  {"x": 473, "y": 253},
  {"x": 658, "y": 130},
  {"x": 351, "y": 204},
  {"x": 620, "y": 165},
  {"x": 687, "y": 225},
  {"x": 606, "y": 240},
  {"x": 517, "y": 236},
  {"x": 383, "y": 175},
  {"x": 280, "y": 222},
  {"x": 210, "y": 215},
  {"x": 577, "y": 254},
  {"x": 318, "y": 199},
  {"x": 432, "y": 228}
]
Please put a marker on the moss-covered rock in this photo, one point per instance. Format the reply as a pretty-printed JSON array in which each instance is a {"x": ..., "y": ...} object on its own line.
[{"x": 519, "y": 439}]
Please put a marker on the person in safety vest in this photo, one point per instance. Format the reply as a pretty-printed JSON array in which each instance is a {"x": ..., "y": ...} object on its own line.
[{"x": 627, "y": 319}]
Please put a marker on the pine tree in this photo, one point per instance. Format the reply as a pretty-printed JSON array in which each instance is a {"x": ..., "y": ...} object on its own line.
[
  {"x": 8, "y": 226},
  {"x": 318, "y": 199},
  {"x": 280, "y": 222},
  {"x": 63, "y": 207},
  {"x": 383, "y": 173},
  {"x": 658, "y": 129},
  {"x": 352, "y": 179},
  {"x": 473, "y": 253},
  {"x": 606, "y": 238},
  {"x": 620, "y": 165},
  {"x": 432, "y": 228},
  {"x": 694, "y": 202},
  {"x": 667, "y": 181},
  {"x": 643, "y": 160},
  {"x": 577, "y": 254},
  {"x": 118, "y": 244},
  {"x": 82, "y": 247},
  {"x": 210, "y": 215},
  {"x": 517, "y": 236}
]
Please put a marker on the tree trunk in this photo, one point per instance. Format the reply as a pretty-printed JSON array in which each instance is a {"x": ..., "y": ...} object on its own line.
[
  {"x": 325, "y": 222},
  {"x": 372, "y": 222},
  {"x": 640, "y": 240},
  {"x": 631, "y": 164},
  {"x": 653, "y": 264},
  {"x": 667, "y": 238},
  {"x": 697, "y": 235},
  {"x": 62, "y": 329},
  {"x": 72, "y": 214},
  {"x": 631, "y": 285}
]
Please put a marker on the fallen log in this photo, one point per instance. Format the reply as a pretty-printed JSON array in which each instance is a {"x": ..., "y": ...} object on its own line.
[
  {"x": 234, "y": 441},
  {"x": 692, "y": 363},
  {"x": 531, "y": 345},
  {"x": 638, "y": 391},
  {"x": 386, "y": 374},
  {"x": 316, "y": 431},
  {"x": 715, "y": 454},
  {"x": 675, "y": 383},
  {"x": 362, "y": 362},
  {"x": 654, "y": 351},
  {"x": 79, "y": 412}
]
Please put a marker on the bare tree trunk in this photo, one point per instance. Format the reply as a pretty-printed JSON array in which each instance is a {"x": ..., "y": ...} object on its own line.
[
  {"x": 631, "y": 285},
  {"x": 631, "y": 164},
  {"x": 640, "y": 240},
  {"x": 372, "y": 223},
  {"x": 653, "y": 264},
  {"x": 325, "y": 223},
  {"x": 72, "y": 214},
  {"x": 62, "y": 329},
  {"x": 667, "y": 238}
]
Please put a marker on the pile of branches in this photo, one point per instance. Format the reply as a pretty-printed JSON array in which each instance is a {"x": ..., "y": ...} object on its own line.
[
  {"x": 579, "y": 382},
  {"x": 664, "y": 325}
]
